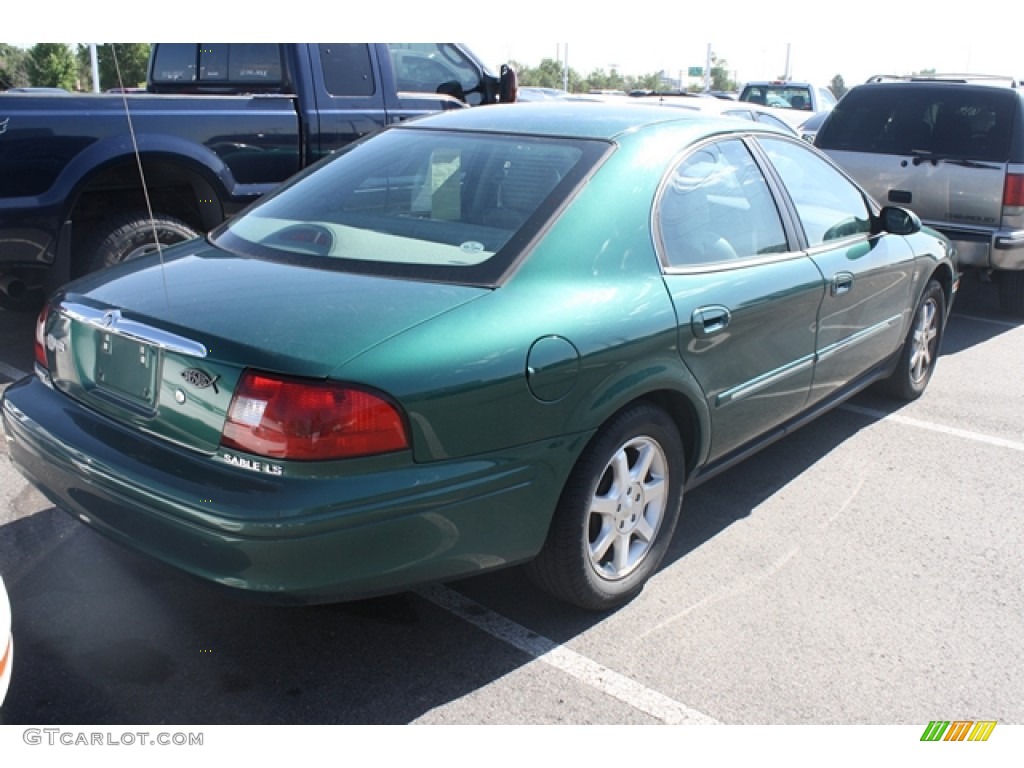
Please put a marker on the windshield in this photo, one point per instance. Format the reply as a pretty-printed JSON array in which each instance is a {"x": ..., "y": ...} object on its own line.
[{"x": 427, "y": 204}]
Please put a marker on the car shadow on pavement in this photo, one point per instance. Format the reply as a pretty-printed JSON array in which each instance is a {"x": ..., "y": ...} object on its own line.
[
  {"x": 976, "y": 317},
  {"x": 105, "y": 636},
  {"x": 708, "y": 510}
]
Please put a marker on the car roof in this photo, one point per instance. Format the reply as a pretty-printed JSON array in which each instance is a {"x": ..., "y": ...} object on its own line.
[
  {"x": 587, "y": 120},
  {"x": 781, "y": 83},
  {"x": 946, "y": 79}
]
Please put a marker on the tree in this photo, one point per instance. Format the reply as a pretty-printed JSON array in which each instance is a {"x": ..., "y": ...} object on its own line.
[
  {"x": 132, "y": 60},
  {"x": 52, "y": 65},
  {"x": 547, "y": 75},
  {"x": 720, "y": 79},
  {"x": 652, "y": 82},
  {"x": 838, "y": 87},
  {"x": 13, "y": 67}
]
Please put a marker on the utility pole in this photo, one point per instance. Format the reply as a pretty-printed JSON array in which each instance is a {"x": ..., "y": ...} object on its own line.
[
  {"x": 94, "y": 59},
  {"x": 707, "y": 70}
]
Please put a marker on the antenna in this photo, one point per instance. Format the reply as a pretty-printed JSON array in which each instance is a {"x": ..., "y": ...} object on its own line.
[{"x": 142, "y": 173}]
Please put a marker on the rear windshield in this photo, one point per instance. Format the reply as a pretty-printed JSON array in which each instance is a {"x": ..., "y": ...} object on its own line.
[
  {"x": 901, "y": 119},
  {"x": 436, "y": 205},
  {"x": 780, "y": 95},
  {"x": 217, "y": 64}
]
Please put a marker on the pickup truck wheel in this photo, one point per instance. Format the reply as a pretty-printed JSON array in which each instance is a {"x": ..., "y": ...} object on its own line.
[
  {"x": 617, "y": 513},
  {"x": 129, "y": 236},
  {"x": 921, "y": 347},
  {"x": 1011, "y": 292}
]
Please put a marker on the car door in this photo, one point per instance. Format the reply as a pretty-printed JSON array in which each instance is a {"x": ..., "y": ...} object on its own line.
[
  {"x": 746, "y": 302},
  {"x": 868, "y": 275},
  {"x": 349, "y": 96}
]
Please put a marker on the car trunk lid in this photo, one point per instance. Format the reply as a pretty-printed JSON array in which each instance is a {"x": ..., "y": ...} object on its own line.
[{"x": 162, "y": 349}]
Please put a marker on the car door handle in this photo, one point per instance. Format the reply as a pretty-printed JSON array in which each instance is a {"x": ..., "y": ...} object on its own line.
[
  {"x": 707, "y": 321},
  {"x": 842, "y": 283}
]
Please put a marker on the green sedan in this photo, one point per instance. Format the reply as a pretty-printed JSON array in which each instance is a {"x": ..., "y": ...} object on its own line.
[{"x": 494, "y": 336}]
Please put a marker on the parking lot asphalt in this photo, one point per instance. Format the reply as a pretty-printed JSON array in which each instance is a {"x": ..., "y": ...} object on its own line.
[{"x": 866, "y": 570}]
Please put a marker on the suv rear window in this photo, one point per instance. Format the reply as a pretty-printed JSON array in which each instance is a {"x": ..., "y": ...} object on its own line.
[{"x": 909, "y": 119}]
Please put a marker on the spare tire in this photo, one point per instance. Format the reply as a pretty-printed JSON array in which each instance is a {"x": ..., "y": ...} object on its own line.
[{"x": 130, "y": 235}]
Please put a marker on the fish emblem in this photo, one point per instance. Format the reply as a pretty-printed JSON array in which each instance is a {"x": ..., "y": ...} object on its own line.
[{"x": 200, "y": 379}]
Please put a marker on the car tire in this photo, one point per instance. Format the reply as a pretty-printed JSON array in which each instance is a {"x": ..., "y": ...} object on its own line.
[
  {"x": 1011, "y": 292},
  {"x": 921, "y": 347},
  {"x": 617, "y": 512},
  {"x": 129, "y": 236}
]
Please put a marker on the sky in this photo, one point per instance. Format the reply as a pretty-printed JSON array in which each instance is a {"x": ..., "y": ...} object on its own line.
[
  {"x": 815, "y": 61},
  {"x": 637, "y": 37}
]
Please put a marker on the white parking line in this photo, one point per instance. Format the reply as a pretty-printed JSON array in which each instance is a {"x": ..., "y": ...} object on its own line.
[
  {"x": 11, "y": 372},
  {"x": 599, "y": 677},
  {"x": 977, "y": 437},
  {"x": 991, "y": 321}
]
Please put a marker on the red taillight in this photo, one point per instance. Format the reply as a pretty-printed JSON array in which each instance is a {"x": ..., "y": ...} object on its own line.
[
  {"x": 1013, "y": 192},
  {"x": 40, "y": 345},
  {"x": 306, "y": 420}
]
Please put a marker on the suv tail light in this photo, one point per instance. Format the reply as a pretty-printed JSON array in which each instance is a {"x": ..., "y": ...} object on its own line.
[
  {"x": 286, "y": 418},
  {"x": 40, "y": 345},
  {"x": 1013, "y": 192}
]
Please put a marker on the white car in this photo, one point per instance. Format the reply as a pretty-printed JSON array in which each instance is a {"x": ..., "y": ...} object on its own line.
[
  {"x": 711, "y": 105},
  {"x": 790, "y": 101},
  {"x": 6, "y": 642}
]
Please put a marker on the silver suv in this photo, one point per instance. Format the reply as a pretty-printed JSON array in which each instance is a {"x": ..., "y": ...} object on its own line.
[{"x": 950, "y": 148}]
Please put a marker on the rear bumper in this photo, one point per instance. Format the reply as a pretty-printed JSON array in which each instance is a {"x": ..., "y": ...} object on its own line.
[
  {"x": 389, "y": 527},
  {"x": 1008, "y": 250},
  {"x": 1003, "y": 249}
]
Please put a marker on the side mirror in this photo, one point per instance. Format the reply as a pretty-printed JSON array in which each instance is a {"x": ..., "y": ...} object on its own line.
[
  {"x": 508, "y": 85},
  {"x": 452, "y": 88},
  {"x": 899, "y": 221}
]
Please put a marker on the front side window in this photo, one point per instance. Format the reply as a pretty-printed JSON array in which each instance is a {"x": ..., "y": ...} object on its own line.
[
  {"x": 716, "y": 207},
  {"x": 417, "y": 203},
  {"x": 436, "y": 68},
  {"x": 829, "y": 206}
]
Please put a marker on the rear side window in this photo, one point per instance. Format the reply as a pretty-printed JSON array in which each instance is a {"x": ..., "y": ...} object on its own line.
[
  {"x": 716, "y": 207},
  {"x": 902, "y": 119},
  {"x": 347, "y": 69}
]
